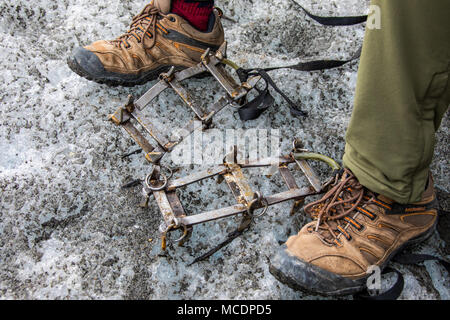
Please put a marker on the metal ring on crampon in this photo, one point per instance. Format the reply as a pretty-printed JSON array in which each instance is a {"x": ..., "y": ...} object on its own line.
[
  {"x": 257, "y": 200},
  {"x": 149, "y": 185},
  {"x": 297, "y": 146},
  {"x": 185, "y": 232},
  {"x": 174, "y": 226}
]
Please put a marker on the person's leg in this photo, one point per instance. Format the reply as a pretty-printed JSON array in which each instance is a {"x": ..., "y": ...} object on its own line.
[
  {"x": 166, "y": 33},
  {"x": 401, "y": 95},
  {"x": 370, "y": 214}
]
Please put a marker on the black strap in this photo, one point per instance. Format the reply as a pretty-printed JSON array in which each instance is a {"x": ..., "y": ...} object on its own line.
[
  {"x": 334, "y": 21},
  {"x": 325, "y": 64},
  {"x": 253, "y": 109},
  {"x": 414, "y": 258},
  {"x": 318, "y": 65},
  {"x": 392, "y": 294},
  {"x": 395, "y": 291}
]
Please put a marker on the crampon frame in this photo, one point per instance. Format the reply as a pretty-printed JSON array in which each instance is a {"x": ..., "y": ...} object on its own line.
[{"x": 160, "y": 182}]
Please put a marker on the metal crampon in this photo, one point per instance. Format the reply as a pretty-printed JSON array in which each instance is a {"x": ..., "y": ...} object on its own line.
[
  {"x": 212, "y": 63},
  {"x": 249, "y": 202},
  {"x": 162, "y": 186}
]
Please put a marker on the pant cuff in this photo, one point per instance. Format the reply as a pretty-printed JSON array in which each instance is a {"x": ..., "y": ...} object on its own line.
[{"x": 371, "y": 178}]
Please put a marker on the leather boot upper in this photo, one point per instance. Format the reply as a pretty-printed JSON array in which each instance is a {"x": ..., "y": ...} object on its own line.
[
  {"x": 354, "y": 228},
  {"x": 157, "y": 39}
]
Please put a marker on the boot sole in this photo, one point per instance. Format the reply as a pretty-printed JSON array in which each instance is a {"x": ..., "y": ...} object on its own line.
[
  {"x": 98, "y": 74},
  {"x": 116, "y": 79},
  {"x": 300, "y": 275}
]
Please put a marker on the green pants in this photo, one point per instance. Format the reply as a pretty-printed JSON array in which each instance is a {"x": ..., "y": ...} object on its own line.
[{"x": 402, "y": 93}]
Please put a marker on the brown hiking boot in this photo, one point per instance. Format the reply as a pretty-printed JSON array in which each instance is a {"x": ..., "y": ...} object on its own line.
[
  {"x": 353, "y": 230},
  {"x": 156, "y": 40}
]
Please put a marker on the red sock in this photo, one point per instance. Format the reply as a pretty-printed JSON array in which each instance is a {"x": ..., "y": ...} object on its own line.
[{"x": 196, "y": 12}]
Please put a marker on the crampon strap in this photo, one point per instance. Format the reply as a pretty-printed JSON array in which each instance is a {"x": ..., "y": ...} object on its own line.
[
  {"x": 395, "y": 291},
  {"x": 404, "y": 258},
  {"x": 264, "y": 99},
  {"x": 334, "y": 21}
]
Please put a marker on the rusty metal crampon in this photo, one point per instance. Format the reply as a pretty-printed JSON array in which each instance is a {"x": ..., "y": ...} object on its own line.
[
  {"x": 160, "y": 183},
  {"x": 212, "y": 63}
]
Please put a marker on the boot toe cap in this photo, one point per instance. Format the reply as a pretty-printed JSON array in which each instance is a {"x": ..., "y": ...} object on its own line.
[
  {"x": 300, "y": 275},
  {"x": 87, "y": 61}
]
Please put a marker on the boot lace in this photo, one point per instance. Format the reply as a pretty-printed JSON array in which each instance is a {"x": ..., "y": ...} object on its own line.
[
  {"x": 334, "y": 209},
  {"x": 143, "y": 26}
]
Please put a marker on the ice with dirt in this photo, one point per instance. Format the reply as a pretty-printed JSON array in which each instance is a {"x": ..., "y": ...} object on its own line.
[{"x": 67, "y": 229}]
